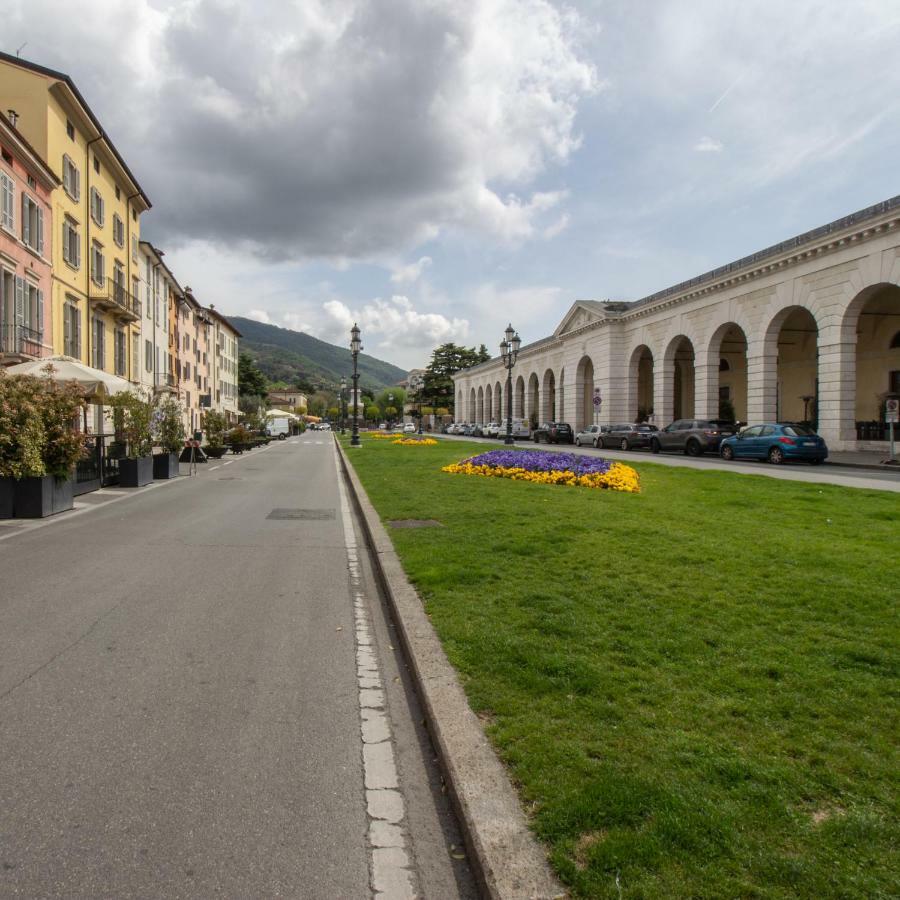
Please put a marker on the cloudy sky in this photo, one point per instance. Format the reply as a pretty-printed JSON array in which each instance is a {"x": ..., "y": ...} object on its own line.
[{"x": 435, "y": 168}]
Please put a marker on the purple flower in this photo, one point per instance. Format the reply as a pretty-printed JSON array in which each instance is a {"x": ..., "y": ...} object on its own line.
[{"x": 541, "y": 461}]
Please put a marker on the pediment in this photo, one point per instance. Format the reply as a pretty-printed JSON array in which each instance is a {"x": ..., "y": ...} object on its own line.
[{"x": 577, "y": 317}]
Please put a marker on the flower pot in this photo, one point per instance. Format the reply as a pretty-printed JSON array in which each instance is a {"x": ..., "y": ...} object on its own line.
[
  {"x": 214, "y": 452},
  {"x": 36, "y": 498},
  {"x": 135, "y": 472},
  {"x": 165, "y": 465},
  {"x": 7, "y": 497}
]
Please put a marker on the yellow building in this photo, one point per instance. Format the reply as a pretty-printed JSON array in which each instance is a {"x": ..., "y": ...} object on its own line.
[{"x": 96, "y": 218}]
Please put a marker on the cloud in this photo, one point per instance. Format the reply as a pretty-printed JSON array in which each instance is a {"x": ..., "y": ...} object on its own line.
[
  {"x": 260, "y": 315},
  {"x": 327, "y": 128},
  {"x": 708, "y": 145},
  {"x": 412, "y": 272}
]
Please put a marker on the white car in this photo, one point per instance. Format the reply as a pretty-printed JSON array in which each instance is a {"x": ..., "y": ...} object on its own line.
[
  {"x": 324, "y": 426},
  {"x": 409, "y": 428},
  {"x": 492, "y": 429}
]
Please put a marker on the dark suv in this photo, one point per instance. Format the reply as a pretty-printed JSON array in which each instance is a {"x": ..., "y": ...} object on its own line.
[
  {"x": 693, "y": 436},
  {"x": 554, "y": 433},
  {"x": 627, "y": 437}
]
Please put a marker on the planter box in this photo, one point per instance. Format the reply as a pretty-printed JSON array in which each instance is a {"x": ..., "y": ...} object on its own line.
[
  {"x": 165, "y": 465},
  {"x": 215, "y": 452},
  {"x": 7, "y": 496},
  {"x": 36, "y": 498},
  {"x": 136, "y": 472}
]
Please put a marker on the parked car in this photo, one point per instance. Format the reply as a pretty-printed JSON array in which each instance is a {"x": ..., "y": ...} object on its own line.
[
  {"x": 466, "y": 430},
  {"x": 692, "y": 436},
  {"x": 492, "y": 429},
  {"x": 520, "y": 428},
  {"x": 591, "y": 435},
  {"x": 629, "y": 436},
  {"x": 777, "y": 442},
  {"x": 553, "y": 433},
  {"x": 409, "y": 428},
  {"x": 478, "y": 430}
]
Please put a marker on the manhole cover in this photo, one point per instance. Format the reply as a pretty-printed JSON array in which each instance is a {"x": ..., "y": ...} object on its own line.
[
  {"x": 305, "y": 514},
  {"x": 415, "y": 523},
  {"x": 229, "y": 478}
]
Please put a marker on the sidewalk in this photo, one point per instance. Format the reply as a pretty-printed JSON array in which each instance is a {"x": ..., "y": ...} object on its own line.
[{"x": 863, "y": 459}]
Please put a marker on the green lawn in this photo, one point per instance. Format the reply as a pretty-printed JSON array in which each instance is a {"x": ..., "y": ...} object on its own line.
[{"x": 694, "y": 688}]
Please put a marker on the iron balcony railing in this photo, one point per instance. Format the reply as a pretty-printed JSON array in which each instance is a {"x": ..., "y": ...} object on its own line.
[
  {"x": 19, "y": 339},
  {"x": 115, "y": 297}
]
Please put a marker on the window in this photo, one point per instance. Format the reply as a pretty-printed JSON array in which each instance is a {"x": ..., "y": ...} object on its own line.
[
  {"x": 70, "y": 130},
  {"x": 895, "y": 342},
  {"x": 99, "y": 342},
  {"x": 118, "y": 193},
  {"x": 134, "y": 215},
  {"x": 120, "y": 352},
  {"x": 8, "y": 204},
  {"x": 96, "y": 165},
  {"x": 118, "y": 230},
  {"x": 32, "y": 313},
  {"x": 32, "y": 225},
  {"x": 32, "y": 182},
  {"x": 135, "y": 354},
  {"x": 148, "y": 356},
  {"x": 894, "y": 382},
  {"x": 71, "y": 246},
  {"x": 187, "y": 371},
  {"x": 71, "y": 179},
  {"x": 98, "y": 263},
  {"x": 134, "y": 247},
  {"x": 98, "y": 207},
  {"x": 135, "y": 286},
  {"x": 71, "y": 329}
]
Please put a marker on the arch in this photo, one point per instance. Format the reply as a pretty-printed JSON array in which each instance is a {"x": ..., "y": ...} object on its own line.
[
  {"x": 519, "y": 398},
  {"x": 584, "y": 393},
  {"x": 533, "y": 399},
  {"x": 678, "y": 367},
  {"x": 470, "y": 410},
  {"x": 458, "y": 411},
  {"x": 499, "y": 409},
  {"x": 727, "y": 373},
  {"x": 640, "y": 384},
  {"x": 548, "y": 397},
  {"x": 479, "y": 406},
  {"x": 488, "y": 404},
  {"x": 561, "y": 412},
  {"x": 791, "y": 352}
]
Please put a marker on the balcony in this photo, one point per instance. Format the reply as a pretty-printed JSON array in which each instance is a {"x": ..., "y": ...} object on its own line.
[
  {"x": 113, "y": 297},
  {"x": 165, "y": 384},
  {"x": 19, "y": 344}
]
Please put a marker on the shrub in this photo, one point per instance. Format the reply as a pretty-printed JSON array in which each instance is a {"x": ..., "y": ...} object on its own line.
[
  {"x": 167, "y": 425},
  {"x": 133, "y": 416},
  {"x": 213, "y": 423}
]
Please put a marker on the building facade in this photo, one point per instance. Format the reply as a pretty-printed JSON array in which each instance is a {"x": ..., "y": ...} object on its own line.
[
  {"x": 289, "y": 399},
  {"x": 26, "y": 238},
  {"x": 223, "y": 364},
  {"x": 806, "y": 330},
  {"x": 155, "y": 287}
]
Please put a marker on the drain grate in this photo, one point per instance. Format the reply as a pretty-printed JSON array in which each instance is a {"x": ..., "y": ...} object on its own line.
[
  {"x": 415, "y": 523},
  {"x": 309, "y": 515}
]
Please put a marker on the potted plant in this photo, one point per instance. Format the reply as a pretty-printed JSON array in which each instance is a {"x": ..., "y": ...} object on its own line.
[
  {"x": 167, "y": 427},
  {"x": 39, "y": 445},
  {"x": 214, "y": 426},
  {"x": 135, "y": 412},
  {"x": 240, "y": 439}
]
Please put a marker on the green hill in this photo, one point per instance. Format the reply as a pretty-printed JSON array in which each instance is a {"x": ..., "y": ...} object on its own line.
[{"x": 299, "y": 359}]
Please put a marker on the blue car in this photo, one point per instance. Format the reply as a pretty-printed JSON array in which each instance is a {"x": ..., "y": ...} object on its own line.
[{"x": 776, "y": 442}]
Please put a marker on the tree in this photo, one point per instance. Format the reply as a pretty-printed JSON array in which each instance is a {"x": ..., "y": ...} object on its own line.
[
  {"x": 251, "y": 382},
  {"x": 446, "y": 361}
]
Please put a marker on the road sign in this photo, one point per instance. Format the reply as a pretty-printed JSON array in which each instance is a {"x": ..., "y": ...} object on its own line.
[
  {"x": 195, "y": 443},
  {"x": 892, "y": 410},
  {"x": 597, "y": 398}
]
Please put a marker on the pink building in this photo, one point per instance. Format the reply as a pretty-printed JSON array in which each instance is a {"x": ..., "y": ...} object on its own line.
[{"x": 26, "y": 229}]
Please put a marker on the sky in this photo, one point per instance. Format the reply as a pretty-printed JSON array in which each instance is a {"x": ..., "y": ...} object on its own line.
[{"x": 435, "y": 169}]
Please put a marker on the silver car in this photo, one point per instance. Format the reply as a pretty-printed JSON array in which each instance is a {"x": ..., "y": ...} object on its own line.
[{"x": 592, "y": 435}]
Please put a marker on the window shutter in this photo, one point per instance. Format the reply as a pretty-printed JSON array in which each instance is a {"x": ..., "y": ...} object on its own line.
[
  {"x": 67, "y": 330},
  {"x": 39, "y": 324},
  {"x": 67, "y": 175},
  {"x": 20, "y": 301},
  {"x": 26, "y": 221},
  {"x": 77, "y": 175},
  {"x": 40, "y": 230},
  {"x": 76, "y": 319}
]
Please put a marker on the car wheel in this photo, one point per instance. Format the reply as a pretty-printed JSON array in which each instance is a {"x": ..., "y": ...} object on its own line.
[
  {"x": 776, "y": 456},
  {"x": 726, "y": 452},
  {"x": 577, "y": 442},
  {"x": 597, "y": 443},
  {"x": 655, "y": 446},
  {"x": 624, "y": 444},
  {"x": 693, "y": 448}
]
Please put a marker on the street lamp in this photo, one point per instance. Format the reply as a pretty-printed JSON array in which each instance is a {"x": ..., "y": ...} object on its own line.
[
  {"x": 355, "y": 347},
  {"x": 390, "y": 403},
  {"x": 509, "y": 350},
  {"x": 417, "y": 385},
  {"x": 343, "y": 404}
]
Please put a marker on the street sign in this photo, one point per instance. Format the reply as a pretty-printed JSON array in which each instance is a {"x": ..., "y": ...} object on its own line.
[
  {"x": 892, "y": 410},
  {"x": 597, "y": 399},
  {"x": 195, "y": 443}
]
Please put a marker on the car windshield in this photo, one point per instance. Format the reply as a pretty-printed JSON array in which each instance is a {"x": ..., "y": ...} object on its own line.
[
  {"x": 646, "y": 428},
  {"x": 718, "y": 423},
  {"x": 799, "y": 430}
]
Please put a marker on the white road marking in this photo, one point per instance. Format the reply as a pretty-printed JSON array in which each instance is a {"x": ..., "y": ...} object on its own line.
[{"x": 390, "y": 861}]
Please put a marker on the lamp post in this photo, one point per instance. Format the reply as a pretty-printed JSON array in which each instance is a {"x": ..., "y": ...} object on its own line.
[
  {"x": 419, "y": 385},
  {"x": 390, "y": 403},
  {"x": 509, "y": 350},
  {"x": 343, "y": 404},
  {"x": 355, "y": 347}
]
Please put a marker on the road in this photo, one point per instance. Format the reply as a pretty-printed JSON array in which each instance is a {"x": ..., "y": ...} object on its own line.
[
  {"x": 845, "y": 476},
  {"x": 200, "y": 696}
]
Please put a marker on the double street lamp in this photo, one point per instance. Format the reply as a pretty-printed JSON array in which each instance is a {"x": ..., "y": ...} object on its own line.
[
  {"x": 343, "y": 403},
  {"x": 355, "y": 347},
  {"x": 416, "y": 384},
  {"x": 509, "y": 350}
]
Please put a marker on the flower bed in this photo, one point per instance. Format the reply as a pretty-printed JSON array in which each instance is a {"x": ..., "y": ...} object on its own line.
[
  {"x": 550, "y": 468},
  {"x": 416, "y": 442},
  {"x": 382, "y": 436}
]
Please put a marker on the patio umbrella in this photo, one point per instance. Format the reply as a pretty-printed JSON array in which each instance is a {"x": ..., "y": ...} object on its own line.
[{"x": 97, "y": 384}]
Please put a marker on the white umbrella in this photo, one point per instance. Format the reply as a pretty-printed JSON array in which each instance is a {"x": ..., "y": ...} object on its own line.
[
  {"x": 280, "y": 414},
  {"x": 96, "y": 383}
]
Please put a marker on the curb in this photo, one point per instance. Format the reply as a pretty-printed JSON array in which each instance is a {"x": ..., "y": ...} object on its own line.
[{"x": 506, "y": 859}]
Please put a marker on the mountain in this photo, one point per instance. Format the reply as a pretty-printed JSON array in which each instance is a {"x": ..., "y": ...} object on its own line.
[{"x": 295, "y": 357}]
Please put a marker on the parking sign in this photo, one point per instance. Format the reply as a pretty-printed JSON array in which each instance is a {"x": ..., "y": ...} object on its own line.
[{"x": 892, "y": 410}]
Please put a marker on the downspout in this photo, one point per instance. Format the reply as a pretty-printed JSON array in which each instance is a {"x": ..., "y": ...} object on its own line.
[
  {"x": 87, "y": 245},
  {"x": 135, "y": 363}
]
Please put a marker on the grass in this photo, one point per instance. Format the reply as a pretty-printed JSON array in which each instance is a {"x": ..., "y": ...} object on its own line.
[{"x": 694, "y": 688}]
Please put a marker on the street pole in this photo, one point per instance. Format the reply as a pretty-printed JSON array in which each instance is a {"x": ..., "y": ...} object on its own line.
[
  {"x": 509, "y": 350},
  {"x": 343, "y": 404},
  {"x": 355, "y": 347}
]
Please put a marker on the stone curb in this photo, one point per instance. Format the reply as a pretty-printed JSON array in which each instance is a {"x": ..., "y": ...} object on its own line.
[{"x": 505, "y": 857}]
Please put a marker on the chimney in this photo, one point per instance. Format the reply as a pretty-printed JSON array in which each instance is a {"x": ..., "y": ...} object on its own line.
[{"x": 13, "y": 117}]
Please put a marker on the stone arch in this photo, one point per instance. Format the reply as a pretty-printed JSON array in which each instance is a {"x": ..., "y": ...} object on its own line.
[
  {"x": 561, "y": 396},
  {"x": 479, "y": 406},
  {"x": 584, "y": 393},
  {"x": 532, "y": 399},
  {"x": 640, "y": 384},
  {"x": 458, "y": 412},
  {"x": 499, "y": 409},
  {"x": 791, "y": 365},
  {"x": 724, "y": 393},
  {"x": 519, "y": 398},
  {"x": 678, "y": 381},
  {"x": 488, "y": 404},
  {"x": 548, "y": 397},
  {"x": 470, "y": 411}
]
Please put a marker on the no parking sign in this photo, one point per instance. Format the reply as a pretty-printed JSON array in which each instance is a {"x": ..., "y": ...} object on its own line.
[{"x": 892, "y": 410}]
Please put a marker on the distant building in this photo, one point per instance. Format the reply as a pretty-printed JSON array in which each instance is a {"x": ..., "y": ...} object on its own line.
[{"x": 288, "y": 399}]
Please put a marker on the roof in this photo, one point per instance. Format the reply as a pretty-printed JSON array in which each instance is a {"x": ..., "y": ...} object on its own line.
[
  {"x": 216, "y": 314},
  {"x": 46, "y": 173},
  {"x": 61, "y": 76},
  {"x": 159, "y": 254}
]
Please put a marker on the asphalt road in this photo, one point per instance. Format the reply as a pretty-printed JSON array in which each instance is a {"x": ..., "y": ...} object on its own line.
[
  {"x": 846, "y": 476},
  {"x": 179, "y": 696}
]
